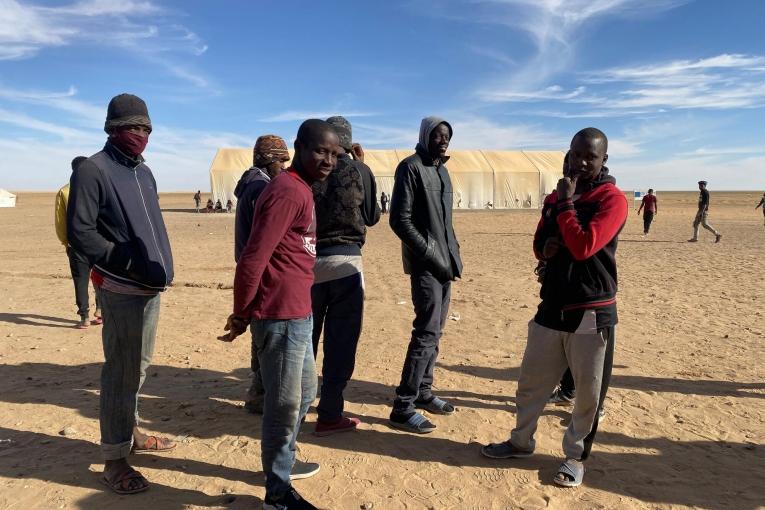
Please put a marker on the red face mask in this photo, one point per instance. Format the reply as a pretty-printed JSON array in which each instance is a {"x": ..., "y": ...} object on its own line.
[{"x": 130, "y": 143}]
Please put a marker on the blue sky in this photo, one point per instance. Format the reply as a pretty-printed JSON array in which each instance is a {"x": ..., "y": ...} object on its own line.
[{"x": 677, "y": 85}]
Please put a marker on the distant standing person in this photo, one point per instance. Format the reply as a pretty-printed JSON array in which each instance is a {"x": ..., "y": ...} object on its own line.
[
  {"x": 761, "y": 204},
  {"x": 421, "y": 216},
  {"x": 384, "y": 202},
  {"x": 269, "y": 156},
  {"x": 229, "y": 205},
  {"x": 79, "y": 265},
  {"x": 198, "y": 199},
  {"x": 114, "y": 219},
  {"x": 702, "y": 214},
  {"x": 651, "y": 206}
]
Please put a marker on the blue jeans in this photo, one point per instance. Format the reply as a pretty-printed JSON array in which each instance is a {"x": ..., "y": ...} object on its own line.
[
  {"x": 288, "y": 369},
  {"x": 129, "y": 331},
  {"x": 338, "y": 309}
]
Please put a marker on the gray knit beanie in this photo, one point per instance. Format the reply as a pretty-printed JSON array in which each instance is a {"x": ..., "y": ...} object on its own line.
[{"x": 126, "y": 110}]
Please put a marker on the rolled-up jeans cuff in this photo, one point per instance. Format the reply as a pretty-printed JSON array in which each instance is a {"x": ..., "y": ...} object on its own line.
[{"x": 116, "y": 451}]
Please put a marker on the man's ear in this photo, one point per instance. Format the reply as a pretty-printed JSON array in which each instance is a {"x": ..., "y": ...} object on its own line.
[{"x": 605, "y": 158}]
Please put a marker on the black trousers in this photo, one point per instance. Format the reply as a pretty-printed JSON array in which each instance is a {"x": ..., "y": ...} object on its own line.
[
  {"x": 430, "y": 297},
  {"x": 80, "y": 269},
  {"x": 338, "y": 311},
  {"x": 647, "y": 220}
]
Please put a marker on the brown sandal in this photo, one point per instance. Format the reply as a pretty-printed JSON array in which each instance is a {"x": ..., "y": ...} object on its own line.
[
  {"x": 121, "y": 483},
  {"x": 155, "y": 444}
]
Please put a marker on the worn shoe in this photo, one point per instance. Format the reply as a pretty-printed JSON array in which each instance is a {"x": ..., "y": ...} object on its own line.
[
  {"x": 83, "y": 324},
  {"x": 302, "y": 470},
  {"x": 290, "y": 501},
  {"x": 718, "y": 237},
  {"x": 342, "y": 425},
  {"x": 692, "y": 240},
  {"x": 415, "y": 423},
  {"x": 435, "y": 405},
  {"x": 505, "y": 450},
  {"x": 558, "y": 398}
]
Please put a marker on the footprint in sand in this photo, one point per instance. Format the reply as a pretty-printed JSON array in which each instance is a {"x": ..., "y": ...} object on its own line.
[
  {"x": 489, "y": 476},
  {"x": 353, "y": 460},
  {"x": 522, "y": 478}
]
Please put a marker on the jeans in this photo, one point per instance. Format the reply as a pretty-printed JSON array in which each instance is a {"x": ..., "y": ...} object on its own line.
[
  {"x": 338, "y": 308},
  {"x": 255, "y": 393},
  {"x": 129, "y": 331},
  {"x": 80, "y": 269},
  {"x": 289, "y": 378},
  {"x": 430, "y": 297}
]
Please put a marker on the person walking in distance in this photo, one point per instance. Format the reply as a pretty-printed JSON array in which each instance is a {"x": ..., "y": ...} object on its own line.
[
  {"x": 421, "y": 216},
  {"x": 650, "y": 207},
  {"x": 761, "y": 204},
  {"x": 702, "y": 215}
]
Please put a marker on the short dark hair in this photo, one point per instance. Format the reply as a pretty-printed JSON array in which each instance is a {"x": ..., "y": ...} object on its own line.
[
  {"x": 77, "y": 162},
  {"x": 650, "y": 190},
  {"x": 312, "y": 129},
  {"x": 592, "y": 133}
]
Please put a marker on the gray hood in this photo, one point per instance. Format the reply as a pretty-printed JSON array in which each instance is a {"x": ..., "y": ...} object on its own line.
[{"x": 427, "y": 126}]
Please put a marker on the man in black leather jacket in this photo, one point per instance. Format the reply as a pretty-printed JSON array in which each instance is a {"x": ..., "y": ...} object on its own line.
[{"x": 421, "y": 216}]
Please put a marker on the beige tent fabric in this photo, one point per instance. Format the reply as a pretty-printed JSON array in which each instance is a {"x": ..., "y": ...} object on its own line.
[{"x": 481, "y": 179}]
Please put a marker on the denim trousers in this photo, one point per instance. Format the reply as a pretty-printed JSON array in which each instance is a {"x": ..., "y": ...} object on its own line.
[
  {"x": 288, "y": 370},
  {"x": 430, "y": 297},
  {"x": 129, "y": 331},
  {"x": 338, "y": 311}
]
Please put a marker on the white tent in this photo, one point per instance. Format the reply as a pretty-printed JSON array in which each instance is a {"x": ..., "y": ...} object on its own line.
[
  {"x": 7, "y": 199},
  {"x": 481, "y": 179}
]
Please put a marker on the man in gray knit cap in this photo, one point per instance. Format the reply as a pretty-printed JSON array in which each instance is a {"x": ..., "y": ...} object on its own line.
[
  {"x": 114, "y": 219},
  {"x": 421, "y": 216}
]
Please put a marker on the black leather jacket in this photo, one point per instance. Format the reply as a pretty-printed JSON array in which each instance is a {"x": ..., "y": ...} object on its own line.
[{"x": 421, "y": 216}]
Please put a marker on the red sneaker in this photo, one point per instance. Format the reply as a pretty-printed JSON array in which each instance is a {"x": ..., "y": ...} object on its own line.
[{"x": 342, "y": 425}]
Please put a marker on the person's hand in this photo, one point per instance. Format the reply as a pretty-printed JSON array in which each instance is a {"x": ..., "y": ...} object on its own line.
[
  {"x": 235, "y": 327},
  {"x": 357, "y": 152},
  {"x": 566, "y": 187},
  {"x": 551, "y": 247}
]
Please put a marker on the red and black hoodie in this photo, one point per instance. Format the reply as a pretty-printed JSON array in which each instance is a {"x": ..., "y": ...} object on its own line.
[{"x": 582, "y": 275}]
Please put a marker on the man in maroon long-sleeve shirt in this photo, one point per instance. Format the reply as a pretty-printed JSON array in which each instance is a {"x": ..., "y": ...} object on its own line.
[
  {"x": 272, "y": 293},
  {"x": 574, "y": 325}
]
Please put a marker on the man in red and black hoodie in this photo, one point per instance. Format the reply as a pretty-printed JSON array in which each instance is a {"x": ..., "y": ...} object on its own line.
[{"x": 574, "y": 325}]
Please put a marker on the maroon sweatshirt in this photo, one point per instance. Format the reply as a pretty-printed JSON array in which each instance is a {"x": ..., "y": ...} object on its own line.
[{"x": 275, "y": 271}]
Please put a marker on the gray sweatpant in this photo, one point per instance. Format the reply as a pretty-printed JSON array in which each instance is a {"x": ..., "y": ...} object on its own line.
[
  {"x": 548, "y": 353},
  {"x": 701, "y": 221}
]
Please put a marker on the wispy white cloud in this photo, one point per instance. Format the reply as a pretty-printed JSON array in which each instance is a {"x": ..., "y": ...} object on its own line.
[
  {"x": 723, "y": 151},
  {"x": 27, "y": 29},
  {"x": 294, "y": 115},
  {"x": 83, "y": 112},
  {"x": 721, "y": 82}
]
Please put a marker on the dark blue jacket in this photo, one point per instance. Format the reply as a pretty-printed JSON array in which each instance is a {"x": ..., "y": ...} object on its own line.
[
  {"x": 251, "y": 184},
  {"x": 114, "y": 219}
]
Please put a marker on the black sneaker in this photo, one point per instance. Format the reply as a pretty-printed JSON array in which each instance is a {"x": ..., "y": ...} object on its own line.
[
  {"x": 302, "y": 470},
  {"x": 558, "y": 398},
  {"x": 290, "y": 501}
]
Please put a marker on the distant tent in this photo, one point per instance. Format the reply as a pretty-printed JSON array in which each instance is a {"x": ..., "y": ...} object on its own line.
[
  {"x": 481, "y": 179},
  {"x": 7, "y": 199}
]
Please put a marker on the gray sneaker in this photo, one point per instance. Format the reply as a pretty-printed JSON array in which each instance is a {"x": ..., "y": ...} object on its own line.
[
  {"x": 505, "y": 450},
  {"x": 301, "y": 470}
]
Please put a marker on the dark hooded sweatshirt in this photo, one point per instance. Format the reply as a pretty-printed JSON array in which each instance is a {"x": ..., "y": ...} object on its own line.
[
  {"x": 248, "y": 189},
  {"x": 582, "y": 275}
]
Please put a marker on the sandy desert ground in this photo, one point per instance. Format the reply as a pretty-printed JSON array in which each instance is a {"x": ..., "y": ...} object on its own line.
[{"x": 686, "y": 408}]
